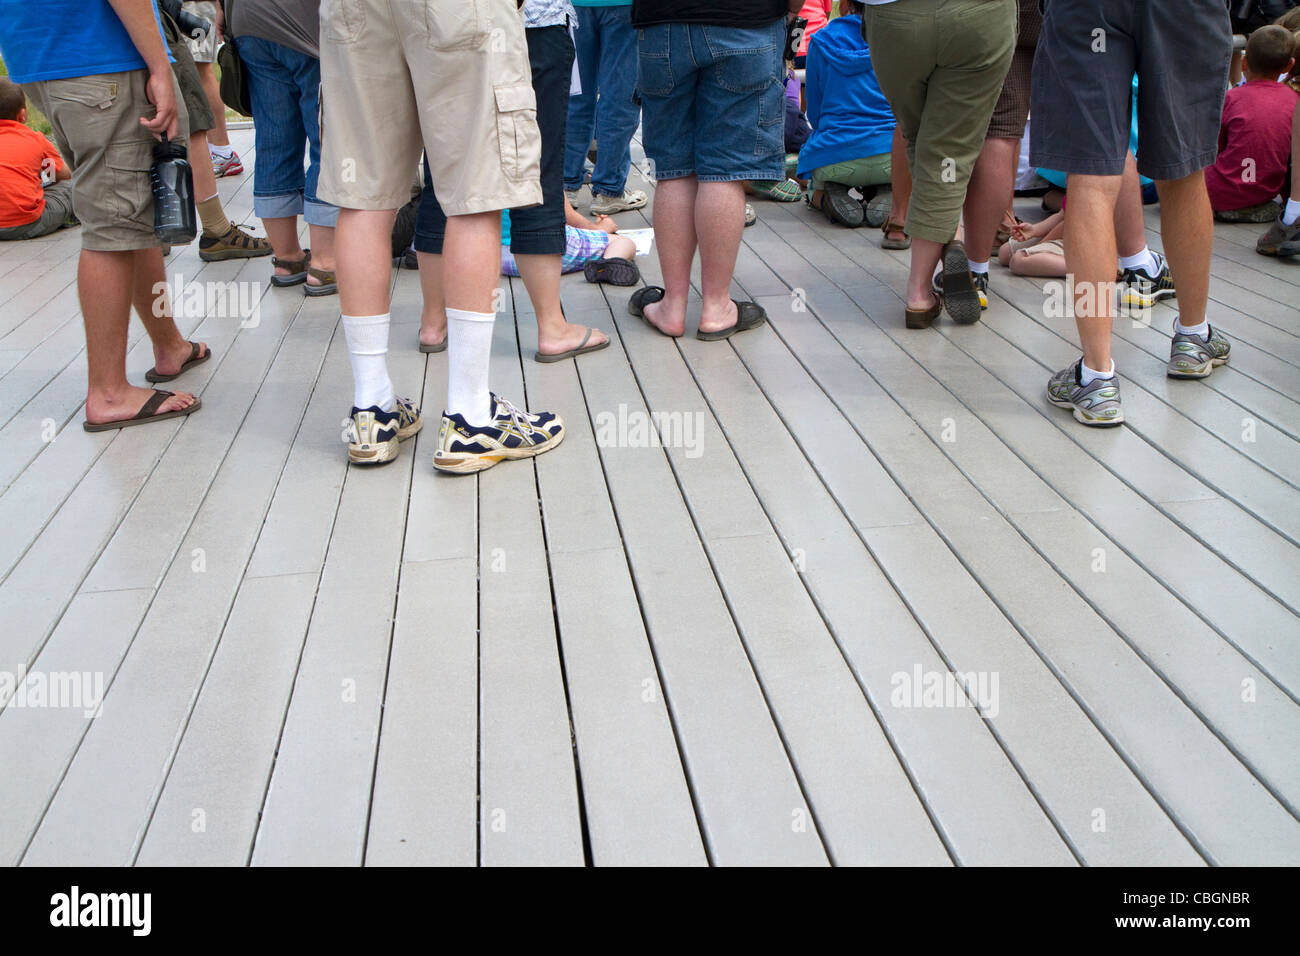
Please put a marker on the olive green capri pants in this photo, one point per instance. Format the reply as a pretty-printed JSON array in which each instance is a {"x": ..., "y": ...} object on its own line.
[
  {"x": 868, "y": 171},
  {"x": 941, "y": 65}
]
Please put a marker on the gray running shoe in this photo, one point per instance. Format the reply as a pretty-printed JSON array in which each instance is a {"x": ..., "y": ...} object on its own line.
[
  {"x": 1281, "y": 239},
  {"x": 1191, "y": 356},
  {"x": 1096, "y": 404}
]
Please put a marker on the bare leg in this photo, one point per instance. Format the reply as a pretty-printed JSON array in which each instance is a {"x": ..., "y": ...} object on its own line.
[
  {"x": 205, "y": 183},
  {"x": 283, "y": 233},
  {"x": 675, "y": 239},
  {"x": 433, "y": 315},
  {"x": 322, "y": 250},
  {"x": 920, "y": 276},
  {"x": 472, "y": 254},
  {"x": 989, "y": 194},
  {"x": 104, "y": 287},
  {"x": 170, "y": 350},
  {"x": 1187, "y": 227},
  {"x": 1130, "y": 228},
  {"x": 1044, "y": 265},
  {"x": 901, "y": 182},
  {"x": 365, "y": 264},
  {"x": 1090, "y": 257},
  {"x": 620, "y": 247},
  {"x": 719, "y": 222},
  {"x": 217, "y": 135},
  {"x": 541, "y": 275}
]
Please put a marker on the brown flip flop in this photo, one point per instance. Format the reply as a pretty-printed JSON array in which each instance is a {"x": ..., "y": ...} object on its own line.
[
  {"x": 436, "y": 347},
  {"x": 153, "y": 375},
  {"x": 582, "y": 349},
  {"x": 148, "y": 413}
]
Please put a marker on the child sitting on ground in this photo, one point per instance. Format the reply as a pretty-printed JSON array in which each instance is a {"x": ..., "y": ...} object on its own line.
[
  {"x": 588, "y": 245},
  {"x": 35, "y": 192},
  {"x": 1036, "y": 249},
  {"x": 1255, "y": 135}
]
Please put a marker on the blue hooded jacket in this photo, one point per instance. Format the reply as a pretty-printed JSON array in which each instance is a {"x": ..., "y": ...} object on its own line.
[{"x": 851, "y": 118}]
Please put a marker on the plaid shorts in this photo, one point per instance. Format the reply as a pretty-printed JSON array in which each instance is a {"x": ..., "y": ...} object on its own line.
[{"x": 580, "y": 247}]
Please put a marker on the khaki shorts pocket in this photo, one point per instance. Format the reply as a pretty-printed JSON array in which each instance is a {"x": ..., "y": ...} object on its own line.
[
  {"x": 127, "y": 193},
  {"x": 93, "y": 93},
  {"x": 342, "y": 20},
  {"x": 517, "y": 129},
  {"x": 460, "y": 26}
]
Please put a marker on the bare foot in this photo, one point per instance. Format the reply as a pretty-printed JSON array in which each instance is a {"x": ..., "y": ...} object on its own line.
[
  {"x": 715, "y": 320},
  {"x": 929, "y": 302},
  {"x": 570, "y": 338},
  {"x": 125, "y": 404},
  {"x": 432, "y": 336},
  {"x": 169, "y": 359},
  {"x": 670, "y": 328}
]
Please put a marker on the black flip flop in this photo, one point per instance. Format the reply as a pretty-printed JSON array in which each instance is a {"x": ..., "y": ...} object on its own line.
[
  {"x": 614, "y": 270},
  {"x": 643, "y": 297},
  {"x": 436, "y": 347},
  {"x": 749, "y": 315},
  {"x": 960, "y": 299},
  {"x": 148, "y": 413},
  {"x": 582, "y": 349},
  {"x": 153, "y": 375}
]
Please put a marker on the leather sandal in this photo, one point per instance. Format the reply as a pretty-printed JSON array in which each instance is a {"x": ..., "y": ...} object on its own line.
[
  {"x": 887, "y": 243},
  {"x": 297, "y": 270},
  {"x": 922, "y": 318}
]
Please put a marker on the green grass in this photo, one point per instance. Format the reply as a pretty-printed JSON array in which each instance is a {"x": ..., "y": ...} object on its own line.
[{"x": 35, "y": 118}]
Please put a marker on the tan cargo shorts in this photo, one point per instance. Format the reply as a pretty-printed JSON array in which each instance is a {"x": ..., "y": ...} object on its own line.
[
  {"x": 398, "y": 76},
  {"x": 203, "y": 49},
  {"x": 96, "y": 123}
]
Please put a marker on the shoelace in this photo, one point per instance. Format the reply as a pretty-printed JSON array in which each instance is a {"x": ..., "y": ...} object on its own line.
[{"x": 517, "y": 416}]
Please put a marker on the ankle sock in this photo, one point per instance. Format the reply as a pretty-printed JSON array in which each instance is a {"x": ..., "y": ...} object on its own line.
[
  {"x": 225, "y": 152},
  {"x": 1291, "y": 213},
  {"x": 1144, "y": 260},
  {"x": 1203, "y": 330},
  {"x": 1087, "y": 375},
  {"x": 367, "y": 337},
  {"x": 469, "y": 343},
  {"x": 978, "y": 267},
  {"x": 213, "y": 216}
]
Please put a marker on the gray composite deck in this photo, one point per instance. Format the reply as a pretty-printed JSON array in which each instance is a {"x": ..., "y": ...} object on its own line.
[{"x": 684, "y": 655}]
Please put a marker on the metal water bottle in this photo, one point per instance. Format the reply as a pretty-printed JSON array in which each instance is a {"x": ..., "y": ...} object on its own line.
[{"x": 172, "y": 181}]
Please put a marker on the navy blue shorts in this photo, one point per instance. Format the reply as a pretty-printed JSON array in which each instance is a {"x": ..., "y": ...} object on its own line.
[
  {"x": 712, "y": 101},
  {"x": 1088, "y": 52}
]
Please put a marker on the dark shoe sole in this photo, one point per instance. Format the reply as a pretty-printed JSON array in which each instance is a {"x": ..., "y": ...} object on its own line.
[
  {"x": 961, "y": 299},
  {"x": 840, "y": 207},
  {"x": 749, "y": 315},
  {"x": 615, "y": 271}
]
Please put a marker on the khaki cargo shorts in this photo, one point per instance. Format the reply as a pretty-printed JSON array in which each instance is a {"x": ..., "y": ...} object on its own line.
[
  {"x": 203, "y": 50},
  {"x": 96, "y": 123},
  {"x": 398, "y": 76}
]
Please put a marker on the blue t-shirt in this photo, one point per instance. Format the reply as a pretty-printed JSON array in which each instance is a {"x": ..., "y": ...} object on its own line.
[{"x": 57, "y": 39}]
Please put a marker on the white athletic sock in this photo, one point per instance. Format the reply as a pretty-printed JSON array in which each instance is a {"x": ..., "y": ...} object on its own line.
[
  {"x": 978, "y": 266},
  {"x": 367, "y": 337},
  {"x": 223, "y": 151},
  {"x": 1291, "y": 213},
  {"x": 469, "y": 345},
  {"x": 1143, "y": 260},
  {"x": 1203, "y": 330},
  {"x": 1089, "y": 375}
]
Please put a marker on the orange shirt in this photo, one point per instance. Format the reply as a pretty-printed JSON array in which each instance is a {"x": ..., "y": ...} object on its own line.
[{"x": 23, "y": 154}]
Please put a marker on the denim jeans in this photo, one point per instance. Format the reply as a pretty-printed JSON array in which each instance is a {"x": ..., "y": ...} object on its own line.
[
  {"x": 713, "y": 101},
  {"x": 285, "y": 87},
  {"x": 606, "y": 50}
]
